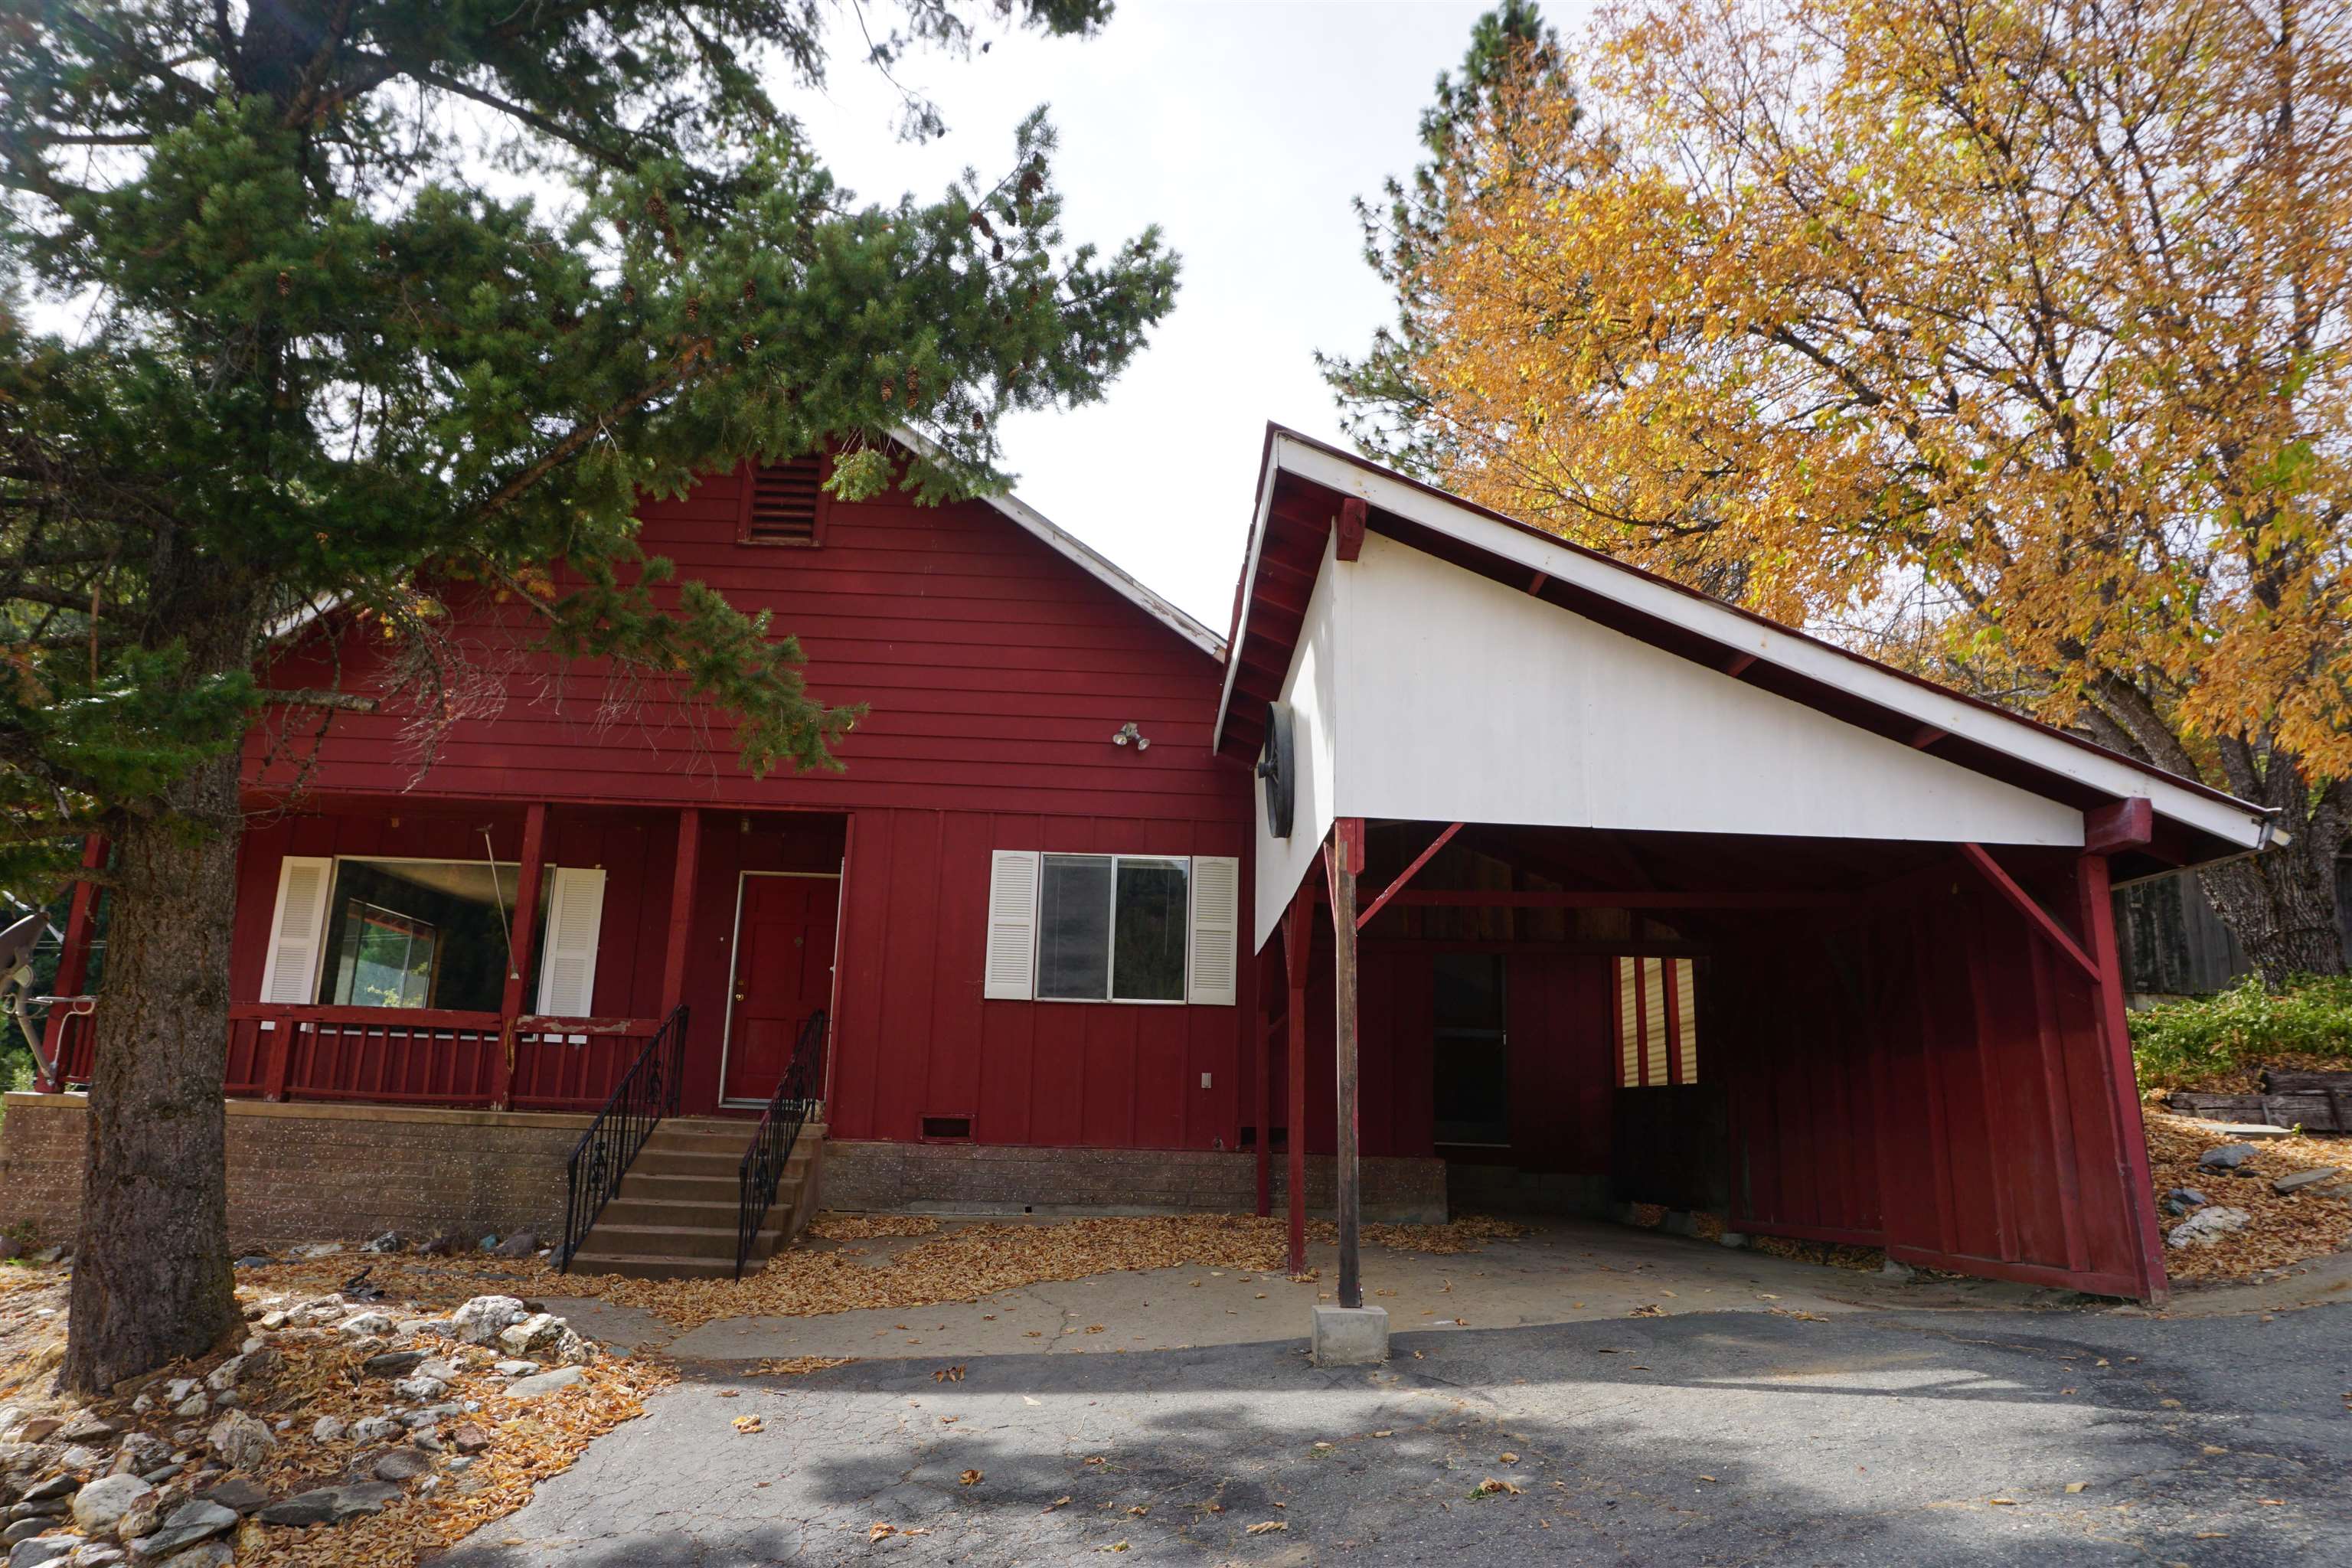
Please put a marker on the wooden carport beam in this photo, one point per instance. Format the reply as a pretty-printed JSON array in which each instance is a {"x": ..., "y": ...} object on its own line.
[
  {"x": 1393, "y": 889},
  {"x": 1595, "y": 899},
  {"x": 1353, "y": 517},
  {"x": 2124, "y": 825},
  {"x": 2006, "y": 885}
]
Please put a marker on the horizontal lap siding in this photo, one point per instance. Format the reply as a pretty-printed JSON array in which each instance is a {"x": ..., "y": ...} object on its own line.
[{"x": 993, "y": 671}]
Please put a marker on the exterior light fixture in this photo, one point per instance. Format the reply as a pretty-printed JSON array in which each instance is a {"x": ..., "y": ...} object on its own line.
[{"x": 1127, "y": 731}]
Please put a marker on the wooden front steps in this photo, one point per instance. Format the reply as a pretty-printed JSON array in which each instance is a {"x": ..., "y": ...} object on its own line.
[{"x": 674, "y": 1218}]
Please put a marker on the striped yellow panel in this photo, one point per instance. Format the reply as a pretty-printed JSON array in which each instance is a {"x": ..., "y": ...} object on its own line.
[
  {"x": 1629, "y": 1066},
  {"x": 1686, "y": 1019},
  {"x": 1653, "y": 1020}
]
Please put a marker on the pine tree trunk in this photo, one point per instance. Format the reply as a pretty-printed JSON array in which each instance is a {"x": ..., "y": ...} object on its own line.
[
  {"x": 2282, "y": 904},
  {"x": 150, "y": 1278}
]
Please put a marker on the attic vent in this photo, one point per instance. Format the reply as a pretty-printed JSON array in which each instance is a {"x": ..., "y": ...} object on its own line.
[{"x": 783, "y": 504}]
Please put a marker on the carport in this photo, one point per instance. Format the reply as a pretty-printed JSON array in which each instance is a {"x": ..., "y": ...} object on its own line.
[{"x": 1563, "y": 865}]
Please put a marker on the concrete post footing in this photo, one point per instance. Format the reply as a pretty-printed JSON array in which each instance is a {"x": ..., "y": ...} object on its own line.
[{"x": 1350, "y": 1336}]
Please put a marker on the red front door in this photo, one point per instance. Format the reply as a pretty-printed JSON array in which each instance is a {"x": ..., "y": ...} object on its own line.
[{"x": 783, "y": 972}]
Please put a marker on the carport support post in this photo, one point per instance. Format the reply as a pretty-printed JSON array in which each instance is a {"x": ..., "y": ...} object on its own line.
[
  {"x": 2124, "y": 826},
  {"x": 1347, "y": 860},
  {"x": 1297, "y": 932}
]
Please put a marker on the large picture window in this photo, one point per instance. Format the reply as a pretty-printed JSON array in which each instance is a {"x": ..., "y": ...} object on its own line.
[
  {"x": 1112, "y": 928},
  {"x": 420, "y": 933}
]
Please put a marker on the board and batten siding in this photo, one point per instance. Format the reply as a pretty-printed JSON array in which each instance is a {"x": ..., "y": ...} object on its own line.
[{"x": 920, "y": 1039}]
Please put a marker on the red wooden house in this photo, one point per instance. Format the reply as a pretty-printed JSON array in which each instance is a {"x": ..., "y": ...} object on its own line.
[{"x": 1687, "y": 909}]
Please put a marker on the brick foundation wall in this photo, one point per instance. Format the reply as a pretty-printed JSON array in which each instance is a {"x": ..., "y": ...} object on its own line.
[
  {"x": 1506, "y": 1189},
  {"x": 998, "y": 1179},
  {"x": 308, "y": 1173},
  {"x": 302, "y": 1172}
]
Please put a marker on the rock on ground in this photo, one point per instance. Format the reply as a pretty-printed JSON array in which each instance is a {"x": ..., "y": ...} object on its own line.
[
  {"x": 481, "y": 1320},
  {"x": 240, "y": 1441},
  {"x": 97, "y": 1505},
  {"x": 2206, "y": 1226}
]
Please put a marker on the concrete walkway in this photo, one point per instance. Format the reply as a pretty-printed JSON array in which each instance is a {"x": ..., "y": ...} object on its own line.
[{"x": 1564, "y": 1271}]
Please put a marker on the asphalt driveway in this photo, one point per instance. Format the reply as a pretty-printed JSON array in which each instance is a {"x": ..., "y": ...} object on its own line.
[{"x": 1877, "y": 1437}]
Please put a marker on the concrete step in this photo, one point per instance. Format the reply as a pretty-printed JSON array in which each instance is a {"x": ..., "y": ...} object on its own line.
[
  {"x": 662, "y": 1188},
  {"x": 678, "y": 1241},
  {"x": 654, "y": 1266},
  {"x": 700, "y": 1186},
  {"x": 665, "y": 1162},
  {"x": 661, "y": 1209}
]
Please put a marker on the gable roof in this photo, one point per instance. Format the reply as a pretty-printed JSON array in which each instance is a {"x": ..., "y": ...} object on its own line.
[
  {"x": 1088, "y": 559},
  {"x": 1302, "y": 481}
]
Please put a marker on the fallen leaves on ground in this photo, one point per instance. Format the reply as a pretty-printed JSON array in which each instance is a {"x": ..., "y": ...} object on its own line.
[
  {"x": 746, "y": 1424},
  {"x": 1494, "y": 1485},
  {"x": 798, "y": 1365},
  {"x": 970, "y": 1478},
  {"x": 529, "y": 1442},
  {"x": 871, "y": 1226},
  {"x": 1268, "y": 1528},
  {"x": 1836, "y": 1255},
  {"x": 2279, "y": 1230}
]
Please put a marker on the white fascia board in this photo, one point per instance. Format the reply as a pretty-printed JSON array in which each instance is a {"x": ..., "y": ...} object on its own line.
[
  {"x": 312, "y": 610},
  {"x": 1260, "y": 518},
  {"x": 2232, "y": 822},
  {"x": 1093, "y": 562}
]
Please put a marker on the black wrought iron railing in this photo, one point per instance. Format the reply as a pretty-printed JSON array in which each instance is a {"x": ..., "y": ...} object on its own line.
[
  {"x": 778, "y": 1129},
  {"x": 646, "y": 1093}
]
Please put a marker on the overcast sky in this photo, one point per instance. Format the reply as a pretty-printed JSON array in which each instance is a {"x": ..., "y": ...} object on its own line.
[{"x": 1243, "y": 130}]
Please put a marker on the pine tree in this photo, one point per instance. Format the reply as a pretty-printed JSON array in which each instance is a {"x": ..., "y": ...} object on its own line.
[
  {"x": 373, "y": 297},
  {"x": 1384, "y": 405}
]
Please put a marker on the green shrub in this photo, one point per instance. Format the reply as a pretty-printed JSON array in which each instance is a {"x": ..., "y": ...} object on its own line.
[{"x": 2187, "y": 1043}]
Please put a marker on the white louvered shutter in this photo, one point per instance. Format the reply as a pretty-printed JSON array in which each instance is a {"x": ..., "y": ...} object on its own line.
[
  {"x": 1216, "y": 929},
  {"x": 1012, "y": 969},
  {"x": 567, "y": 970},
  {"x": 298, "y": 931}
]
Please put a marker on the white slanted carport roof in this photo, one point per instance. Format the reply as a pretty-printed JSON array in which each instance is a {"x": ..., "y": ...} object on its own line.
[
  {"x": 1092, "y": 560},
  {"x": 1303, "y": 484}
]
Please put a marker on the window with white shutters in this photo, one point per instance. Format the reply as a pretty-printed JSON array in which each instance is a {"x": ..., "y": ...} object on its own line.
[
  {"x": 567, "y": 967},
  {"x": 1216, "y": 929},
  {"x": 1012, "y": 925},
  {"x": 296, "y": 930},
  {"x": 1112, "y": 928}
]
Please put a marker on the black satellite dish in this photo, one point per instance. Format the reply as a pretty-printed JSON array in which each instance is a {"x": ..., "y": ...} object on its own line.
[{"x": 1278, "y": 765}]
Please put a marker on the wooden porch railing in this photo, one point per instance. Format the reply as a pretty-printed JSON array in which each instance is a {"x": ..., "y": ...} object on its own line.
[{"x": 406, "y": 1055}]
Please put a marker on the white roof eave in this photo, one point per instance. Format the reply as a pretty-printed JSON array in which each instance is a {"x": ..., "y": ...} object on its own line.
[{"x": 2234, "y": 822}]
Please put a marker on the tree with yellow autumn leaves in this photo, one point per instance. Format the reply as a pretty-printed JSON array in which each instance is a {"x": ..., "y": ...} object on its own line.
[{"x": 2010, "y": 338}]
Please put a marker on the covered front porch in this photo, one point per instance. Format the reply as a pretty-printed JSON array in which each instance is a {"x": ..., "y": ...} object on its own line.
[{"x": 504, "y": 956}]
